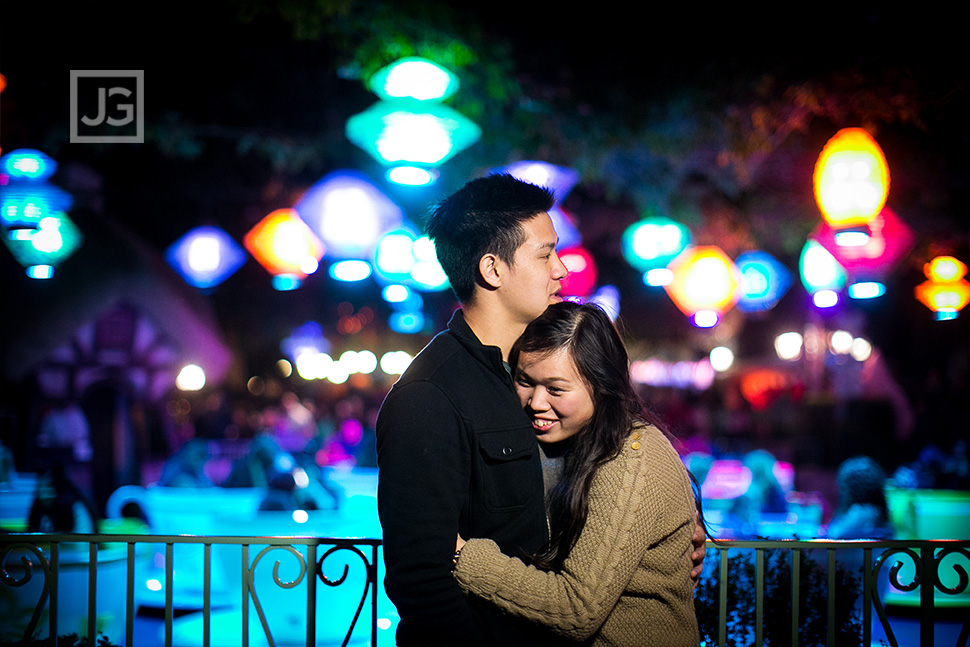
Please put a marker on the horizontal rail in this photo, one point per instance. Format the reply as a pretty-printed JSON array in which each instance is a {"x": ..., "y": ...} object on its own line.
[{"x": 752, "y": 592}]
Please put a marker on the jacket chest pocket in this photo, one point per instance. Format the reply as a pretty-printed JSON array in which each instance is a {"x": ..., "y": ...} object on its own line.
[{"x": 509, "y": 473}]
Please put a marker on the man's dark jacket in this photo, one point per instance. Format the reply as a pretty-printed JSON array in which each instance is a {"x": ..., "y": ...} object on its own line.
[{"x": 456, "y": 455}]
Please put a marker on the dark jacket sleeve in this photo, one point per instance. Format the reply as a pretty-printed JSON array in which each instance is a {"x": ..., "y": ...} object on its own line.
[{"x": 424, "y": 472}]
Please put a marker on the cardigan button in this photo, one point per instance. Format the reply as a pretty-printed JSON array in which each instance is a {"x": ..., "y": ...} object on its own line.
[
  {"x": 506, "y": 451},
  {"x": 635, "y": 445}
]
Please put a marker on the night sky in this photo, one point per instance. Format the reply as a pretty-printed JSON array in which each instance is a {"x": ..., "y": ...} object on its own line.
[{"x": 227, "y": 80}]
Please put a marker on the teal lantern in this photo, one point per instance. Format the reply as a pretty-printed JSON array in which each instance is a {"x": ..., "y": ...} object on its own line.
[
  {"x": 25, "y": 195},
  {"x": 652, "y": 242},
  {"x": 408, "y": 132},
  {"x": 415, "y": 78},
  {"x": 42, "y": 249}
]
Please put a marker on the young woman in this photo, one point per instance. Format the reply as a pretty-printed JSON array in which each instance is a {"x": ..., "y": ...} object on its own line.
[{"x": 621, "y": 508}]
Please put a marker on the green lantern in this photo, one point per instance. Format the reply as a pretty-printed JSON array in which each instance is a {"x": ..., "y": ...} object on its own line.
[
  {"x": 415, "y": 78},
  {"x": 408, "y": 131}
]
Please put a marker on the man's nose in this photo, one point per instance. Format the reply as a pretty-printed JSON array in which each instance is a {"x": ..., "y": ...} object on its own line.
[{"x": 560, "y": 270}]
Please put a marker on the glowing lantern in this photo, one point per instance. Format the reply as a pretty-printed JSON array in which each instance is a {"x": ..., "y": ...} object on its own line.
[
  {"x": 350, "y": 270},
  {"x": 851, "y": 179},
  {"x": 403, "y": 258},
  {"x": 409, "y": 132},
  {"x": 946, "y": 292},
  {"x": 285, "y": 246},
  {"x": 558, "y": 179},
  {"x": 566, "y": 229},
  {"x": 705, "y": 284},
  {"x": 890, "y": 239},
  {"x": 205, "y": 256},
  {"x": 427, "y": 274},
  {"x": 409, "y": 128},
  {"x": 305, "y": 340},
  {"x": 764, "y": 281},
  {"x": 608, "y": 298},
  {"x": 348, "y": 213},
  {"x": 42, "y": 249},
  {"x": 581, "y": 279},
  {"x": 653, "y": 242},
  {"x": 25, "y": 195},
  {"x": 415, "y": 78},
  {"x": 819, "y": 269}
]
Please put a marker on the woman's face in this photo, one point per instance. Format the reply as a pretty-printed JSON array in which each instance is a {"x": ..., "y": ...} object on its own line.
[{"x": 553, "y": 394}]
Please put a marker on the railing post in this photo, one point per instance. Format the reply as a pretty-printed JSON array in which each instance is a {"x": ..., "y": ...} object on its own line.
[
  {"x": 926, "y": 594},
  {"x": 759, "y": 597},
  {"x": 796, "y": 575},
  {"x": 722, "y": 598},
  {"x": 311, "y": 595},
  {"x": 130, "y": 595},
  {"x": 92, "y": 592},
  {"x": 55, "y": 568},
  {"x": 169, "y": 586},
  {"x": 830, "y": 597},
  {"x": 868, "y": 586},
  {"x": 206, "y": 593}
]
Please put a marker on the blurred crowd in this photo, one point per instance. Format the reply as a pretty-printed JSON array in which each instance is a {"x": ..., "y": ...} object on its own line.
[{"x": 286, "y": 447}]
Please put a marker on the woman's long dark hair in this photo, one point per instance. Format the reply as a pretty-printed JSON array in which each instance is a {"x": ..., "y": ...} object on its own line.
[{"x": 601, "y": 359}]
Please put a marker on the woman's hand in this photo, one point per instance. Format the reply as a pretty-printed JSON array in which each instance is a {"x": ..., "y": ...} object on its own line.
[{"x": 698, "y": 543}]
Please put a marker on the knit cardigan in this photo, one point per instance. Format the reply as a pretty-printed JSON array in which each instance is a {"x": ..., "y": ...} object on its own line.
[{"x": 627, "y": 579}]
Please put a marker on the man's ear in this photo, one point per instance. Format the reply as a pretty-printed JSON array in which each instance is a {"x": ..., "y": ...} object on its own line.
[{"x": 491, "y": 269}]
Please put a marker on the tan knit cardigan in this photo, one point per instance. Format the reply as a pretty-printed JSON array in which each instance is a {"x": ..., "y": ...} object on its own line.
[{"x": 627, "y": 579}]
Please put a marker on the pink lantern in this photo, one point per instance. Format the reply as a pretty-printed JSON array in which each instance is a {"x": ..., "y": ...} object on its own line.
[
  {"x": 581, "y": 280},
  {"x": 890, "y": 239}
]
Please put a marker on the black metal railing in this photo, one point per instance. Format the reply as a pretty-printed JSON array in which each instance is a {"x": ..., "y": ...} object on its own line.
[
  {"x": 775, "y": 592},
  {"x": 34, "y": 570}
]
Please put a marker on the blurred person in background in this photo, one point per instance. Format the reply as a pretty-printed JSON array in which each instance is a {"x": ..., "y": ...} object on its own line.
[
  {"x": 862, "y": 512},
  {"x": 60, "y": 506}
]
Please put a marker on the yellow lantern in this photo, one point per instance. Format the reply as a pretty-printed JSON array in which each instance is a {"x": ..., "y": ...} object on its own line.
[
  {"x": 851, "y": 179},
  {"x": 705, "y": 284},
  {"x": 946, "y": 292}
]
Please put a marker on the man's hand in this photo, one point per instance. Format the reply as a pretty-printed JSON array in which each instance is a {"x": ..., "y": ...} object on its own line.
[{"x": 698, "y": 541}]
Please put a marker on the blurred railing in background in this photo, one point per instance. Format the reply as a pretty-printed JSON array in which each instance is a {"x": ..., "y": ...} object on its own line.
[{"x": 752, "y": 592}]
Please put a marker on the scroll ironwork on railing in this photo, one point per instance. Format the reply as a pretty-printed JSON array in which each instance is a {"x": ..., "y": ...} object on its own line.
[
  {"x": 824, "y": 592},
  {"x": 752, "y": 592},
  {"x": 44, "y": 578}
]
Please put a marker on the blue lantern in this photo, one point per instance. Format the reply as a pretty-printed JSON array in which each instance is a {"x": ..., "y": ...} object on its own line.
[
  {"x": 764, "y": 281},
  {"x": 205, "y": 256}
]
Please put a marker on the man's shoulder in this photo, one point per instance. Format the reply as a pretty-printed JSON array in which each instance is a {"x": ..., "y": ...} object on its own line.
[{"x": 442, "y": 356}]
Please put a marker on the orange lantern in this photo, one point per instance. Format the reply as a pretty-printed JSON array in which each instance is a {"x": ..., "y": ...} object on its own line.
[
  {"x": 946, "y": 292},
  {"x": 705, "y": 285},
  {"x": 284, "y": 245},
  {"x": 851, "y": 179}
]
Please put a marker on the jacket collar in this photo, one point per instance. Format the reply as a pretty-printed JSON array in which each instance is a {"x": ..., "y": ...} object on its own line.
[{"x": 490, "y": 356}]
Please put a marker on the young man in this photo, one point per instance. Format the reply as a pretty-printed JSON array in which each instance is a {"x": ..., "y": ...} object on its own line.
[{"x": 456, "y": 453}]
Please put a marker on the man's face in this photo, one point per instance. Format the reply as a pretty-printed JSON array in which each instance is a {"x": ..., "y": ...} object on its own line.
[{"x": 534, "y": 277}]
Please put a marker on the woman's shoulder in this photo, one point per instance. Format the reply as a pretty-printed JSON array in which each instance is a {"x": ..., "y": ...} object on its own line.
[{"x": 646, "y": 448}]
